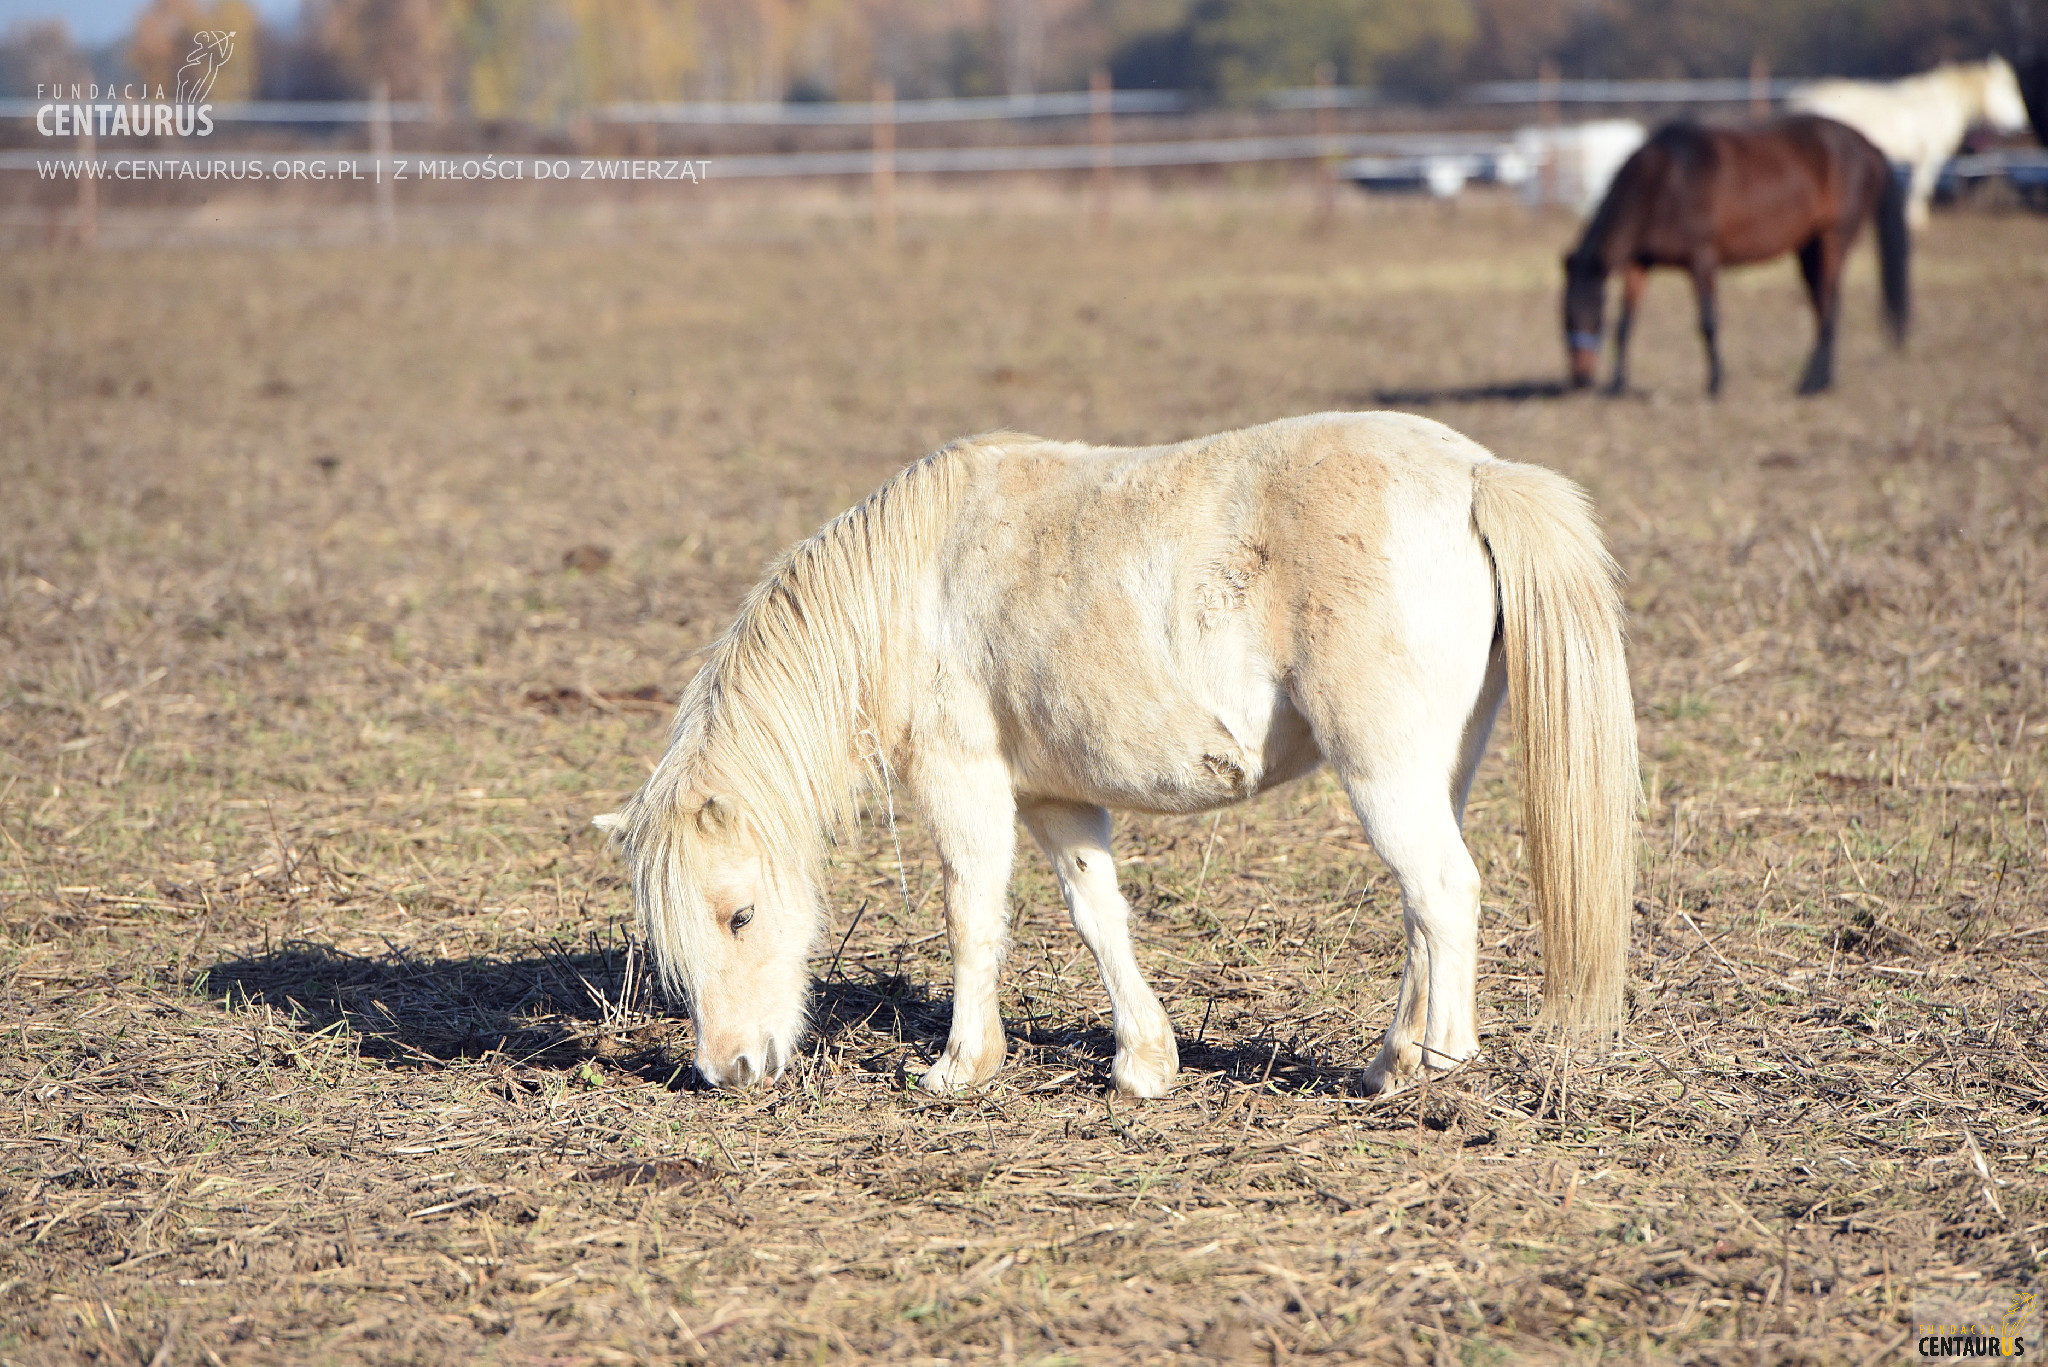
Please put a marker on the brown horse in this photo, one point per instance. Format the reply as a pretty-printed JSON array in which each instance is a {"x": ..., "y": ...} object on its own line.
[{"x": 1703, "y": 198}]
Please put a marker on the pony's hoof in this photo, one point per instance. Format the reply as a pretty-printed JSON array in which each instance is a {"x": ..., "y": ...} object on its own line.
[
  {"x": 1809, "y": 386},
  {"x": 1398, "y": 1069},
  {"x": 1146, "y": 1072},
  {"x": 954, "y": 1072},
  {"x": 1393, "y": 1068}
]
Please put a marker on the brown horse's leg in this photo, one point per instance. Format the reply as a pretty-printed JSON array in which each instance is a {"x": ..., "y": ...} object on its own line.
[
  {"x": 1631, "y": 294},
  {"x": 1820, "y": 263},
  {"x": 1703, "y": 286}
]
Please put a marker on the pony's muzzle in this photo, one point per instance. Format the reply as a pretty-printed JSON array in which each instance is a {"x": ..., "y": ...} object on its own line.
[
  {"x": 1584, "y": 351},
  {"x": 761, "y": 1063}
]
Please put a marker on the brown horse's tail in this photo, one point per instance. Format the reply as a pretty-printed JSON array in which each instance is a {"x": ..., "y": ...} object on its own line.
[{"x": 1894, "y": 246}]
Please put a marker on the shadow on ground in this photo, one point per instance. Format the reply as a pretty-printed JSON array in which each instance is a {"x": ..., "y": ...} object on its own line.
[
  {"x": 560, "y": 1006},
  {"x": 1505, "y": 391},
  {"x": 1265, "y": 1060},
  {"x": 557, "y": 1006}
]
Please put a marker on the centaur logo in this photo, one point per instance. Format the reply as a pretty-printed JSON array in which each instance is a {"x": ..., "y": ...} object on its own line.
[
  {"x": 1952, "y": 1326},
  {"x": 124, "y": 111}
]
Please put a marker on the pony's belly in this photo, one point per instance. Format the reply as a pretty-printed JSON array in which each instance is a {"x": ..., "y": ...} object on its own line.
[
  {"x": 1187, "y": 761},
  {"x": 1189, "y": 783}
]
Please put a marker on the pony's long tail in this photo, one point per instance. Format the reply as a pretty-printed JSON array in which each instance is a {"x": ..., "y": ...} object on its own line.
[
  {"x": 1561, "y": 624},
  {"x": 1894, "y": 247}
]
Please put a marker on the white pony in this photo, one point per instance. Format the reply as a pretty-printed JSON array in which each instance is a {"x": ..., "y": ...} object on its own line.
[
  {"x": 1920, "y": 120},
  {"x": 1018, "y": 628}
]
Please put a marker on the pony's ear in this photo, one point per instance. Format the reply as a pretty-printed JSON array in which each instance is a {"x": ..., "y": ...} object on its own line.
[
  {"x": 718, "y": 815},
  {"x": 608, "y": 821}
]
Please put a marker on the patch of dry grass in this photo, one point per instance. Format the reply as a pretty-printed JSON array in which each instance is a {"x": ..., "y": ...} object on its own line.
[{"x": 325, "y": 1038}]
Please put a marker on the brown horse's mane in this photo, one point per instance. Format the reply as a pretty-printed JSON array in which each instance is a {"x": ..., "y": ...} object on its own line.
[{"x": 1612, "y": 231}]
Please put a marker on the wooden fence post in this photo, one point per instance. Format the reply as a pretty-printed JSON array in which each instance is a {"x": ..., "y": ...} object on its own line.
[
  {"x": 1326, "y": 160},
  {"x": 88, "y": 186},
  {"x": 1102, "y": 138},
  {"x": 885, "y": 162},
  {"x": 380, "y": 146}
]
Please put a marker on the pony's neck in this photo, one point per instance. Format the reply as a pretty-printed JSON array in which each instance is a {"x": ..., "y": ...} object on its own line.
[
  {"x": 1977, "y": 89},
  {"x": 1605, "y": 242},
  {"x": 1597, "y": 248},
  {"x": 795, "y": 708}
]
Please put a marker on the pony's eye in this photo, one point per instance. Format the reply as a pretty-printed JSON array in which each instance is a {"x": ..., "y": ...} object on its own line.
[{"x": 741, "y": 917}]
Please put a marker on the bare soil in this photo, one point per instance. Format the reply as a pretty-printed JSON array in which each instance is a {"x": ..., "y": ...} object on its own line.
[{"x": 339, "y": 587}]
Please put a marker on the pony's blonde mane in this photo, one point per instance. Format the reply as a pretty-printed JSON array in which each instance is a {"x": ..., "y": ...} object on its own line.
[{"x": 781, "y": 717}]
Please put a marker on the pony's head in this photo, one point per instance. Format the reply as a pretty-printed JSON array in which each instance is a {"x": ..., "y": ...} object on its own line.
[
  {"x": 1585, "y": 307},
  {"x": 2004, "y": 107},
  {"x": 730, "y": 920}
]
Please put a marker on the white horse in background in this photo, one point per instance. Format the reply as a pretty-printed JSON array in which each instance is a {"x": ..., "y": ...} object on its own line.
[
  {"x": 1921, "y": 120},
  {"x": 1015, "y": 628}
]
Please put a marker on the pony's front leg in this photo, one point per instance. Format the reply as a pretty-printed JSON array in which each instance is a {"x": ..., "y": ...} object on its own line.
[
  {"x": 973, "y": 822},
  {"x": 1632, "y": 281},
  {"x": 1703, "y": 269},
  {"x": 1926, "y": 174},
  {"x": 1076, "y": 839}
]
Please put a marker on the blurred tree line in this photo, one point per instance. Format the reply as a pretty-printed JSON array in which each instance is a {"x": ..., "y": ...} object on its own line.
[
  {"x": 543, "y": 59},
  {"x": 1425, "y": 50}
]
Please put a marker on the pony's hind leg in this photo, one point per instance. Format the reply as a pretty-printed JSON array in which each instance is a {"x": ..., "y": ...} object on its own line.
[
  {"x": 1410, "y": 821},
  {"x": 968, "y": 805},
  {"x": 1419, "y": 1037},
  {"x": 1076, "y": 839},
  {"x": 1820, "y": 265},
  {"x": 1435, "y": 1024},
  {"x": 1399, "y": 685}
]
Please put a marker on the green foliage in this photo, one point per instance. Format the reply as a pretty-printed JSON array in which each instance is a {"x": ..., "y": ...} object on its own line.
[
  {"x": 1239, "y": 49},
  {"x": 545, "y": 61}
]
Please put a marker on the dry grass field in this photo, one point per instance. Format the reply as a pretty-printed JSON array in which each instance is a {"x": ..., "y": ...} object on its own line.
[{"x": 339, "y": 587}]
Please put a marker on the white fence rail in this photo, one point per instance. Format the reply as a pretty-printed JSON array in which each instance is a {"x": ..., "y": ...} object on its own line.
[
  {"x": 1062, "y": 105},
  {"x": 252, "y": 111},
  {"x": 1059, "y": 104},
  {"x": 1733, "y": 90}
]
